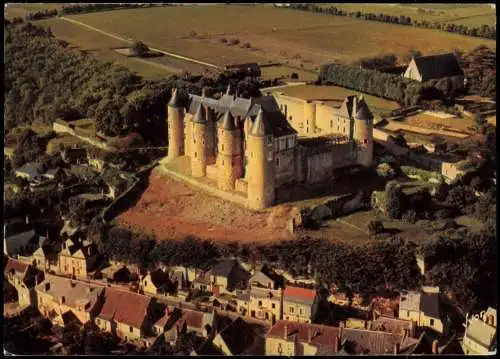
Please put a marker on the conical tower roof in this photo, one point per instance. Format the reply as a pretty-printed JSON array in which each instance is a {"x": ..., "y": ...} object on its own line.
[
  {"x": 210, "y": 115},
  {"x": 174, "y": 100},
  {"x": 228, "y": 91},
  {"x": 200, "y": 116},
  {"x": 227, "y": 121},
  {"x": 258, "y": 128},
  {"x": 363, "y": 112}
]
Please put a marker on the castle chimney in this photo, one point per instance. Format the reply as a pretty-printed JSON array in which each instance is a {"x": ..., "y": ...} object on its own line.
[
  {"x": 286, "y": 331},
  {"x": 396, "y": 348},
  {"x": 435, "y": 347}
]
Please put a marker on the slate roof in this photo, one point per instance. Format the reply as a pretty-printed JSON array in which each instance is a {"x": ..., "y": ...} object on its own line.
[
  {"x": 11, "y": 229},
  {"x": 174, "y": 99},
  {"x": 417, "y": 301},
  {"x": 15, "y": 265},
  {"x": 236, "y": 336},
  {"x": 224, "y": 268},
  {"x": 32, "y": 169},
  {"x": 74, "y": 294},
  {"x": 391, "y": 325},
  {"x": 363, "y": 112},
  {"x": 301, "y": 295},
  {"x": 438, "y": 66},
  {"x": 376, "y": 342},
  {"x": 275, "y": 121},
  {"x": 124, "y": 307},
  {"x": 200, "y": 116}
]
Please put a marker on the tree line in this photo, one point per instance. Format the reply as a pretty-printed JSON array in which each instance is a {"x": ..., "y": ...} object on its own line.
[
  {"x": 82, "y": 8},
  {"x": 389, "y": 86},
  {"x": 484, "y": 31},
  {"x": 45, "y": 79}
]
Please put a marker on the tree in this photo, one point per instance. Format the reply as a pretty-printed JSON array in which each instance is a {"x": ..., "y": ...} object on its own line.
[
  {"x": 394, "y": 200},
  {"x": 375, "y": 227},
  {"x": 410, "y": 216},
  {"x": 294, "y": 75},
  {"x": 140, "y": 49}
]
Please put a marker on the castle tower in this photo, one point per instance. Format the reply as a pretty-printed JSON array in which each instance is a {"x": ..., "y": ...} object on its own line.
[
  {"x": 363, "y": 133},
  {"x": 211, "y": 136},
  {"x": 310, "y": 117},
  {"x": 260, "y": 164},
  {"x": 175, "y": 113},
  {"x": 247, "y": 126},
  {"x": 199, "y": 146},
  {"x": 229, "y": 164}
]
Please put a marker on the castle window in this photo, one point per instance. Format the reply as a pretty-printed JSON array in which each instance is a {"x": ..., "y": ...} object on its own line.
[
  {"x": 290, "y": 118},
  {"x": 331, "y": 123},
  {"x": 195, "y": 154},
  {"x": 222, "y": 147},
  {"x": 365, "y": 141},
  {"x": 223, "y": 162}
]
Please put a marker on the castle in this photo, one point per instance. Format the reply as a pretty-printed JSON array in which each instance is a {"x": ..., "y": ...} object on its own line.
[{"x": 249, "y": 147}]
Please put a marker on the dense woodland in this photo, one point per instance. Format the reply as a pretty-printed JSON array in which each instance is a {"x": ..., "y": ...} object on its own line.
[
  {"x": 46, "y": 79},
  {"x": 484, "y": 31}
]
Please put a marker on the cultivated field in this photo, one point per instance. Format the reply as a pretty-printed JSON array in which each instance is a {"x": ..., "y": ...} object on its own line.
[
  {"x": 20, "y": 10},
  {"x": 274, "y": 34},
  {"x": 466, "y": 14},
  {"x": 101, "y": 46},
  {"x": 335, "y": 93},
  {"x": 272, "y": 72}
]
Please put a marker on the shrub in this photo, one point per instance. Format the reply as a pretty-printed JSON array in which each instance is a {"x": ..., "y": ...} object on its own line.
[
  {"x": 394, "y": 200},
  {"x": 140, "y": 49},
  {"x": 223, "y": 40},
  {"x": 410, "y": 216},
  {"x": 375, "y": 227},
  {"x": 246, "y": 45},
  {"x": 234, "y": 42},
  {"x": 450, "y": 224},
  {"x": 444, "y": 213},
  {"x": 192, "y": 33},
  {"x": 294, "y": 75}
]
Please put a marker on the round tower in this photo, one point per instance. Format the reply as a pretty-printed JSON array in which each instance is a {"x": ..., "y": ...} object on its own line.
[
  {"x": 199, "y": 147},
  {"x": 363, "y": 133},
  {"x": 229, "y": 153},
  {"x": 175, "y": 120},
  {"x": 247, "y": 126},
  {"x": 260, "y": 165},
  {"x": 309, "y": 117}
]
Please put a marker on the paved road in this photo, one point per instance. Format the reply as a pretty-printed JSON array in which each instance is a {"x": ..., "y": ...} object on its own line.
[{"x": 171, "y": 54}]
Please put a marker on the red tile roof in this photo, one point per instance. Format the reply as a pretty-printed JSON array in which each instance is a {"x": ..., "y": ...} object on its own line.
[
  {"x": 299, "y": 293},
  {"x": 125, "y": 307},
  {"x": 193, "y": 319},
  {"x": 17, "y": 266},
  {"x": 320, "y": 335}
]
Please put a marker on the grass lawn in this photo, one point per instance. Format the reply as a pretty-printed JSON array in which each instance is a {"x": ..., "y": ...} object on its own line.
[
  {"x": 467, "y": 14},
  {"x": 101, "y": 46},
  {"x": 274, "y": 34},
  {"x": 311, "y": 92}
]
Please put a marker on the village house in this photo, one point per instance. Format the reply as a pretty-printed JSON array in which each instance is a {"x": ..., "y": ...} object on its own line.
[
  {"x": 187, "y": 274},
  {"x": 287, "y": 338},
  {"x": 427, "y": 68},
  {"x": 480, "y": 334},
  {"x": 170, "y": 316},
  {"x": 297, "y": 339},
  {"x": 225, "y": 277},
  {"x": 264, "y": 279},
  {"x": 23, "y": 278},
  {"x": 422, "y": 307},
  {"x": 200, "y": 323},
  {"x": 393, "y": 325},
  {"x": 125, "y": 314},
  {"x": 453, "y": 170},
  {"x": 18, "y": 236},
  {"x": 234, "y": 338},
  {"x": 63, "y": 300},
  {"x": 77, "y": 259},
  {"x": 155, "y": 282},
  {"x": 46, "y": 256},
  {"x": 297, "y": 304},
  {"x": 265, "y": 304}
]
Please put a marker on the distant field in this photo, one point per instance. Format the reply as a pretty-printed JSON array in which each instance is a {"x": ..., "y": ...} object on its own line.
[
  {"x": 101, "y": 46},
  {"x": 288, "y": 36},
  {"x": 20, "y": 10},
  {"x": 466, "y": 14},
  {"x": 311, "y": 92}
]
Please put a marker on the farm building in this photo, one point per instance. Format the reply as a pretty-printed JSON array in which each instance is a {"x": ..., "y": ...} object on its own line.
[{"x": 427, "y": 68}]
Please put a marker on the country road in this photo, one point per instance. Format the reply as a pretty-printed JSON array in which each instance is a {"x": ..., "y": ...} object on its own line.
[{"x": 171, "y": 54}]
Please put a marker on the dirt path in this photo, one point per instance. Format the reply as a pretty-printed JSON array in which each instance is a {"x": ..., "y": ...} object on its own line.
[
  {"x": 131, "y": 41},
  {"x": 169, "y": 209}
]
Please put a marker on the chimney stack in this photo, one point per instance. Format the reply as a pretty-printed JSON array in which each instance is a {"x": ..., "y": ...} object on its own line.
[
  {"x": 286, "y": 331},
  {"x": 435, "y": 347},
  {"x": 396, "y": 348}
]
